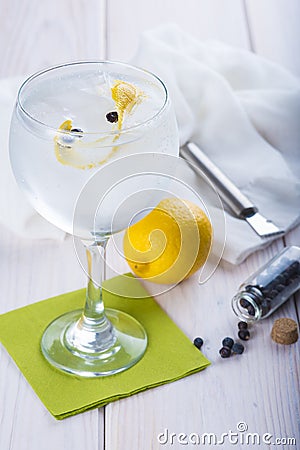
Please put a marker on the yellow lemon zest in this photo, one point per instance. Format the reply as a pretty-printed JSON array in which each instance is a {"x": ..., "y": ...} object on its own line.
[
  {"x": 58, "y": 147},
  {"x": 70, "y": 155},
  {"x": 125, "y": 96}
]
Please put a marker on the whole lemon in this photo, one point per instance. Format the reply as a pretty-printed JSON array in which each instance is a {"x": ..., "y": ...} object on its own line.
[{"x": 171, "y": 243}]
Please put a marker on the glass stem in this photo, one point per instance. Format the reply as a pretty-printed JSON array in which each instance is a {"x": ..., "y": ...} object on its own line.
[
  {"x": 93, "y": 333},
  {"x": 96, "y": 263}
]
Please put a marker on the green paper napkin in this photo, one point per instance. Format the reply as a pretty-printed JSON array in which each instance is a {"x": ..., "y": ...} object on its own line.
[{"x": 170, "y": 355}]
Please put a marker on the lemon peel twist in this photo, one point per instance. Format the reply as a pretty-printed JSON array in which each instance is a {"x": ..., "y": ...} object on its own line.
[{"x": 126, "y": 96}]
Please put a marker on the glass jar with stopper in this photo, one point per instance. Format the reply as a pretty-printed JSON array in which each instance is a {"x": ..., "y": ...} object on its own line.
[{"x": 269, "y": 287}]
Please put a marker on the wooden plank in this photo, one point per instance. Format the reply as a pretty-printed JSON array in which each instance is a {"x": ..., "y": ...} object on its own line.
[
  {"x": 293, "y": 238},
  {"x": 275, "y": 34},
  {"x": 255, "y": 387},
  {"x": 36, "y": 34},
  {"x": 204, "y": 19},
  {"x": 275, "y": 30},
  {"x": 31, "y": 271}
]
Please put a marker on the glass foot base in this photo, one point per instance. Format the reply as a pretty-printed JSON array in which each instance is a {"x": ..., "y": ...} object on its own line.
[{"x": 129, "y": 346}]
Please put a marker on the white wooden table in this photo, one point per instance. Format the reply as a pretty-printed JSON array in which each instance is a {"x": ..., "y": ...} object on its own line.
[{"x": 260, "y": 388}]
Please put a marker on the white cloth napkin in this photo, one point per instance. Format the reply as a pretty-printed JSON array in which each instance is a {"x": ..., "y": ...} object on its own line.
[{"x": 243, "y": 111}]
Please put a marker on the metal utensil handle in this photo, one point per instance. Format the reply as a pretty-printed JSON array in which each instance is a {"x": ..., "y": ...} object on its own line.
[{"x": 231, "y": 195}]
